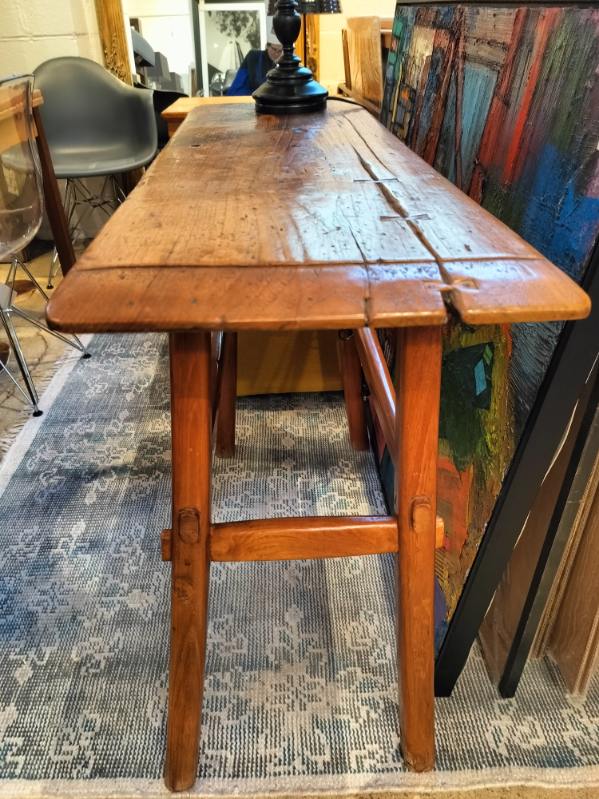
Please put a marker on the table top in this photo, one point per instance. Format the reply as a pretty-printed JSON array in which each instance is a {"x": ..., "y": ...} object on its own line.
[
  {"x": 184, "y": 105},
  {"x": 313, "y": 221}
]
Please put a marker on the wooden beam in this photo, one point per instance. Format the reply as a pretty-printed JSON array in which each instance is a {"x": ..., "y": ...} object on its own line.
[
  {"x": 417, "y": 444},
  {"x": 382, "y": 393},
  {"x": 53, "y": 200},
  {"x": 303, "y": 539},
  {"x": 351, "y": 375},
  {"x": 379, "y": 382},
  {"x": 187, "y": 548}
]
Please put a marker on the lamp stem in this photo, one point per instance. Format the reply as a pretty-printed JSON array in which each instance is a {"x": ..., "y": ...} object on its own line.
[{"x": 289, "y": 88}]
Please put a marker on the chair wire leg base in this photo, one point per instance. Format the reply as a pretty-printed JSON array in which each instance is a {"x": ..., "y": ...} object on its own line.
[
  {"x": 53, "y": 269},
  {"x": 77, "y": 195},
  {"x": 19, "y": 262},
  {"x": 21, "y": 362},
  {"x": 73, "y": 341},
  {"x": 9, "y": 374}
]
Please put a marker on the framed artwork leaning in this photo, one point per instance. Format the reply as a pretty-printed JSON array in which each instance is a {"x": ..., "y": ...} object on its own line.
[{"x": 503, "y": 101}]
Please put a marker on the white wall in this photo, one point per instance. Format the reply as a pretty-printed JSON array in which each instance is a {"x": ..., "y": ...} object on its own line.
[
  {"x": 32, "y": 31},
  {"x": 332, "y": 72}
]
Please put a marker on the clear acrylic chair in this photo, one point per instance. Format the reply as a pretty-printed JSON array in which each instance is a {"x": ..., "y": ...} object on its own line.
[{"x": 21, "y": 209}]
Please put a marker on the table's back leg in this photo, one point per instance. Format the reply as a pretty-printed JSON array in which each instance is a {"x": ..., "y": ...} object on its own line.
[
  {"x": 418, "y": 398},
  {"x": 351, "y": 376},
  {"x": 191, "y": 419},
  {"x": 227, "y": 397}
]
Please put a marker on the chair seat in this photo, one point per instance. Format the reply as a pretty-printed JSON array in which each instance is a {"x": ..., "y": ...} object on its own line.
[{"x": 98, "y": 161}]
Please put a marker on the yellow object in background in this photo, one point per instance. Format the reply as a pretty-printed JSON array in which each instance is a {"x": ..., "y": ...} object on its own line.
[{"x": 289, "y": 362}]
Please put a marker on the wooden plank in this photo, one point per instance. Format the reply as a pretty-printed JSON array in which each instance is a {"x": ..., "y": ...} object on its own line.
[
  {"x": 53, "y": 200},
  {"x": 574, "y": 639},
  {"x": 354, "y": 211},
  {"x": 191, "y": 416},
  {"x": 288, "y": 362},
  {"x": 346, "y": 64},
  {"x": 227, "y": 395},
  {"x": 346, "y": 90},
  {"x": 351, "y": 375},
  {"x": 302, "y": 539},
  {"x": 179, "y": 110},
  {"x": 272, "y": 299},
  {"x": 575, "y": 516},
  {"x": 514, "y": 291},
  {"x": 498, "y": 630},
  {"x": 365, "y": 58},
  {"x": 416, "y": 447},
  {"x": 379, "y": 381}
]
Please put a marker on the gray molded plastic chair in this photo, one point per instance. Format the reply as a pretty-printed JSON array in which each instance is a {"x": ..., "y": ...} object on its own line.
[
  {"x": 96, "y": 125},
  {"x": 21, "y": 208}
]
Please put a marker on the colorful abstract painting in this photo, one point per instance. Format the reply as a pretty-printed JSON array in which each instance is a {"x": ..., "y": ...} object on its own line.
[{"x": 505, "y": 103}]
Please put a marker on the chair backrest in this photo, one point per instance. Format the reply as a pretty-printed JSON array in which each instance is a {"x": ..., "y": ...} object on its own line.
[
  {"x": 21, "y": 198},
  {"x": 84, "y": 103}
]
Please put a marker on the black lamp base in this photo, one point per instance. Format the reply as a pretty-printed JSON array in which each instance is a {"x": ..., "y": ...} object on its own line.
[
  {"x": 289, "y": 88},
  {"x": 294, "y": 93}
]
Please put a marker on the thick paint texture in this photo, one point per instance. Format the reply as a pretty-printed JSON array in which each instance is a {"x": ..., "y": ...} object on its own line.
[{"x": 505, "y": 103}]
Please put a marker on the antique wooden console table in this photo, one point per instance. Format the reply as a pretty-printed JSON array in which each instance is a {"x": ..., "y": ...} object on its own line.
[{"x": 319, "y": 221}]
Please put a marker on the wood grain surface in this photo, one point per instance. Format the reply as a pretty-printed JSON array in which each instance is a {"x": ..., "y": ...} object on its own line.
[
  {"x": 571, "y": 634},
  {"x": 382, "y": 390},
  {"x": 227, "y": 395},
  {"x": 417, "y": 443},
  {"x": 364, "y": 48},
  {"x": 191, "y": 422},
  {"x": 351, "y": 376},
  {"x": 301, "y": 539},
  {"x": 318, "y": 221}
]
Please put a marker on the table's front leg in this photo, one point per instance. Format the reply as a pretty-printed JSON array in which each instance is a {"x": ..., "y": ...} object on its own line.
[
  {"x": 418, "y": 398},
  {"x": 191, "y": 419}
]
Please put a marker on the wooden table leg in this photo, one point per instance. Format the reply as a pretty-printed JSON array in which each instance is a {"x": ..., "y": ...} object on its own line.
[
  {"x": 227, "y": 398},
  {"x": 191, "y": 419},
  {"x": 418, "y": 398},
  {"x": 351, "y": 375},
  {"x": 53, "y": 200}
]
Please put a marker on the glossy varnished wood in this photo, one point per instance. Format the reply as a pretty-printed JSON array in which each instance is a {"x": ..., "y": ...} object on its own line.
[
  {"x": 53, "y": 200},
  {"x": 226, "y": 397},
  {"x": 191, "y": 421},
  {"x": 315, "y": 222},
  {"x": 379, "y": 382},
  {"x": 351, "y": 376},
  {"x": 177, "y": 113},
  {"x": 303, "y": 539},
  {"x": 417, "y": 431},
  {"x": 14, "y": 130},
  {"x": 365, "y": 233}
]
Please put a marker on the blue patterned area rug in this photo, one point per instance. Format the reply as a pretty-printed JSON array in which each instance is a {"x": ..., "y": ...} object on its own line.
[{"x": 300, "y": 692}]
